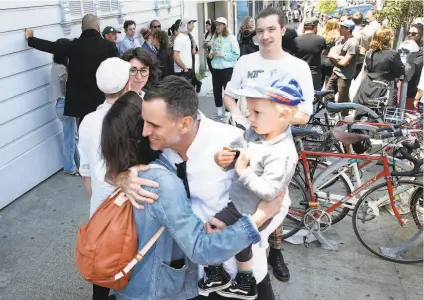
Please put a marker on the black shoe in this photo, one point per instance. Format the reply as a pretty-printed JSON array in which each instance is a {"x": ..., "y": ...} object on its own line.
[
  {"x": 198, "y": 87},
  {"x": 216, "y": 279},
  {"x": 243, "y": 287},
  {"x": 112, "y": 297},
  {"x": 279, "y": 268}
]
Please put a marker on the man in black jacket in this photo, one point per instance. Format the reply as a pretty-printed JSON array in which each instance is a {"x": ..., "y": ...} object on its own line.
[{"x": 85, "y": 55}]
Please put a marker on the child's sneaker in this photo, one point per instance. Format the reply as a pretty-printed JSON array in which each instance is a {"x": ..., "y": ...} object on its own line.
[
  {"x": 216, "y": 279},
  {"x": 243, "y": 287}
]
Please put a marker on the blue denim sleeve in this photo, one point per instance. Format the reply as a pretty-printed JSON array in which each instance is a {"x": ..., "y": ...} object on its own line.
[{"x": 173, "y": 211}]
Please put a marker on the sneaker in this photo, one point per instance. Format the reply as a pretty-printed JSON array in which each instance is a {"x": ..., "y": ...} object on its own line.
[
  {"x": 216, "y": 279},
  {"x": 243, "y": 287},
  {"x": 217, "y": 117}
]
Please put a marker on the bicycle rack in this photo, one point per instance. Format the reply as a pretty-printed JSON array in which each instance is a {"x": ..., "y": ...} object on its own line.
[
  {"x": 313, "y": 222},
  {"x": 397, "y": 251}
]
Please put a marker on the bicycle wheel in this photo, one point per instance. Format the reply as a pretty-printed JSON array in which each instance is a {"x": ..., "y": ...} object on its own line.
[
  {"x": 293, "y": 223},
  {"x": 378, "y": 229},
  {"x": 329, "y": 189}
]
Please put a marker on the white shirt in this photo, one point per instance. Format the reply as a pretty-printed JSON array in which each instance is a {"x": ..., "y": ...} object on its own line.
[
  {"x": 182, "y": 44},
  {"x": 252, "y": 67},
  {"x": 209, "y": 184},
  {"x": 91, "y": 162}
]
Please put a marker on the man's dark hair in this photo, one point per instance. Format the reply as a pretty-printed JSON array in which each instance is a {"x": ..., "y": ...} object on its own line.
[
  {"x": 60, "y": 58},
  {"x": 151, "y": 23},
  {"x": 128, "y": 23},
  {"x": 357, "y": 18},
  {"x": 269, "y": 11},
  {"x": 179, "y": 95}
]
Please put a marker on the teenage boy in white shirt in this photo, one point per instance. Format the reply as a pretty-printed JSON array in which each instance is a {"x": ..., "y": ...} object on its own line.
[{"x": 270, "y": 59}]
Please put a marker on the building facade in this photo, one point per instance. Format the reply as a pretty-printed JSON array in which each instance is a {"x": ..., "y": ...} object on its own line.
[{"x": 30, "y": 133}]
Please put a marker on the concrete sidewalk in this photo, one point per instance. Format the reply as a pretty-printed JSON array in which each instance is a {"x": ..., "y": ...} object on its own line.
[{"x": 38, "y": 235}]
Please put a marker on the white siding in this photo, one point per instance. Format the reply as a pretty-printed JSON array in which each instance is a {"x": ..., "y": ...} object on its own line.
[{"x": 30, "y": 133}]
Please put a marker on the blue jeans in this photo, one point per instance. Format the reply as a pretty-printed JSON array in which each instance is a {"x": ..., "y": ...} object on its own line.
[{"x": 69, "y": 147}]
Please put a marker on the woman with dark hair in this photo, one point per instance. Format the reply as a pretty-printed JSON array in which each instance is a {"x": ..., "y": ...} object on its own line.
[
  {"x": 122, "y": 142},
  {"x": 160, "y": 41},
  {"x": 184, "y": 243},
  {"x": 210, "y": 31},
  {"x": 145, "y": 70},
  {"x": 415, "y": 33},
  {"x": 383, "y": 66},
  {"x": 59, "y": 76},
  {"x": 173, "y": 32}
]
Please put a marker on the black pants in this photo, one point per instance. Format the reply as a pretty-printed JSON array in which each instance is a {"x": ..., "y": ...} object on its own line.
[
  {"x": 316, "y": 78},
  {"x": 220, "y": 78},
  {"x": 100, "y": 293},
  {"x": 209, "y": 62},
  {"x": 265, "y": 292}
]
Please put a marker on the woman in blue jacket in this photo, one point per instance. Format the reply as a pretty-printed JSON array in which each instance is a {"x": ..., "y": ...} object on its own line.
[{"x": 169, "y": 269}]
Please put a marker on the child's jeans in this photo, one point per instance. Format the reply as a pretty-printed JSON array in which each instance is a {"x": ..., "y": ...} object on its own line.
[{"x": 69, "y": 146}]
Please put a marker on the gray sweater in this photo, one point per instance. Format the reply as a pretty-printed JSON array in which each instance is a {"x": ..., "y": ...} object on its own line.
[{"x": 272, "y": 165}]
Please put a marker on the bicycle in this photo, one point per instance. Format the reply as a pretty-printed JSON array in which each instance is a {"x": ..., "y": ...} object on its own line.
[{"x": 317, "y": 220}]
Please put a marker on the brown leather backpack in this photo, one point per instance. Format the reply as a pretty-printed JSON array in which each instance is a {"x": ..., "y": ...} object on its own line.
[{"x": 106, "y": 247}]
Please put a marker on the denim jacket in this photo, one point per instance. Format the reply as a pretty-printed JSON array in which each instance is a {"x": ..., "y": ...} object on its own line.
[{"x": 169, "y": 269}]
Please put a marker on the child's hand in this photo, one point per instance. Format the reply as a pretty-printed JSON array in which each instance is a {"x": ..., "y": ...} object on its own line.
[
  {"x": 214, "y": 225},
  {"x": 224, "y": 158},
  {"x": 242, "y": 162},
  {"x": 416, "y": 101}
]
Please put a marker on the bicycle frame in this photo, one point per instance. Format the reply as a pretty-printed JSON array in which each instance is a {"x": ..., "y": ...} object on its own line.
[{"x": 385, "y": 173}]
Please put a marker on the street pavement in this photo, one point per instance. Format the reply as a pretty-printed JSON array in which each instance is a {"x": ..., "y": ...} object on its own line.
[{"x": 38, "y": 236}]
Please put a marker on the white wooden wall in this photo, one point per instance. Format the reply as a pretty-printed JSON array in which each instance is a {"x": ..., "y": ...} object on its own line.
[{"x": 30, "y": 133}]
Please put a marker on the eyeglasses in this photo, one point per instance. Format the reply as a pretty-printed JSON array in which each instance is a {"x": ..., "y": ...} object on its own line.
[
  {"x": 412, "y": 33},
  {"x": 157, "y": 26},
  {"x": 143, "y": 71},
  {"x": 182, "y": 174}
]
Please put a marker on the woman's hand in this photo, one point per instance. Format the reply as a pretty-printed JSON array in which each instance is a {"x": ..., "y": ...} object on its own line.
[
  {"x": 224, "y": 158},
  {"x": 267, "y": 209},
  {"x": 211, "y": 55}
]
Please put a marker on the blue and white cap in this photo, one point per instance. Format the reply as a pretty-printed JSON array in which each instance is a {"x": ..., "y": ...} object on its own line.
[{"x": 284, "y": 90}]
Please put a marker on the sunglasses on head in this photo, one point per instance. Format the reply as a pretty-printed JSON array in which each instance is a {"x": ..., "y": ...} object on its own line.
[
  {"x": 412, "y": 33},
  {"x": 157, "y": 26}
]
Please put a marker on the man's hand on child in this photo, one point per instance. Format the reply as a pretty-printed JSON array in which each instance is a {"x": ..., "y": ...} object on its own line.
[
  {"x": 224, "y": 158},
  {"x": 242, "y": 162}
]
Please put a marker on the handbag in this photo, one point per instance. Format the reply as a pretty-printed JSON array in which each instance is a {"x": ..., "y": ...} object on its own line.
[
  {"x": 106, "y": 247},
  {"x": 356, "y": 83}
]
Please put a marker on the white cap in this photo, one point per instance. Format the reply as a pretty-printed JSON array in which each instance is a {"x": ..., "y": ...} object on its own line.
[
  {"x": 184, "y": 23},
  {"x": 222, "y": 20},
  {"x": 112, "y": 75}
]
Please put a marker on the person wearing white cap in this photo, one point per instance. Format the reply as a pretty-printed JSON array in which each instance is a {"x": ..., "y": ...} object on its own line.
[
  {"x": 183, "y": 63},
  {"x": 224, "y": 53},
  {"x": 112, "y": 79}
]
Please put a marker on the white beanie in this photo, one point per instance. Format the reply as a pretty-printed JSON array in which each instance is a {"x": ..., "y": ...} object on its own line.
[{"x": 112, "y": 75}]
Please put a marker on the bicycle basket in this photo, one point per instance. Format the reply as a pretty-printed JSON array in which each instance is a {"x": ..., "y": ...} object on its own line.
[
  {"x": 322, "y": 143},
  {"x": 398, "y": 116}
]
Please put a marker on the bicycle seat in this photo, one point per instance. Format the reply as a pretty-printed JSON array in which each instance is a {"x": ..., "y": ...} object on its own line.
[
  {"x": 339, "y": 107},
  {"x": 324, "y": 93},
  {"x": 303, "y": 132},
  {"x": 348, "y": 138}
]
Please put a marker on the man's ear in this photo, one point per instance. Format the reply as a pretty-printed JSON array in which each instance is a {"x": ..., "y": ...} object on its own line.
[
  {"x": 186, "y": 124},
  {"x": 283, "y": 30}
]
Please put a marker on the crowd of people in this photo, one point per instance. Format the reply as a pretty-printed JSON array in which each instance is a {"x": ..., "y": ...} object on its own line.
[{"x": 127, "y": 106}]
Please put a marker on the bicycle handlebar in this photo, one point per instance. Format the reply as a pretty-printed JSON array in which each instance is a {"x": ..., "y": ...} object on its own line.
[
  {"x": 417, "y": 164},
  {"x": 393, "y": 133}
]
